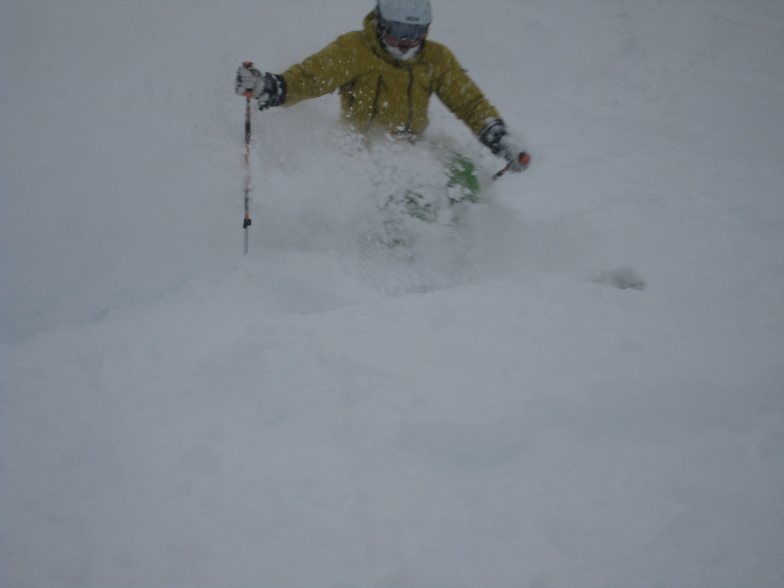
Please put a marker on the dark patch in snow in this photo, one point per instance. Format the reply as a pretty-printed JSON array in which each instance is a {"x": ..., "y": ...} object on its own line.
[{"x": 623, "y": 279}]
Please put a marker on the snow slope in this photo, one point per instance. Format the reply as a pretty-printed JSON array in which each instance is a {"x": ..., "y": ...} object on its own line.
[{"x": 491, "y": 410}]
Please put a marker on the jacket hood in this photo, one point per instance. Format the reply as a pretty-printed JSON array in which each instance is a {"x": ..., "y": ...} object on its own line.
[{"x": 373, "y": 39}]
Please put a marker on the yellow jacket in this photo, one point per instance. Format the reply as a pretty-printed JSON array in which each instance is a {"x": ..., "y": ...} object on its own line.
[{"x": 381, "y": 94}]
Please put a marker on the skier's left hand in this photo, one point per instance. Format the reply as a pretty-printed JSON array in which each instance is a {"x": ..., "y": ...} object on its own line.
[
  {"x": 515, "y": 154},
  {"x": 500, "y": 142}
]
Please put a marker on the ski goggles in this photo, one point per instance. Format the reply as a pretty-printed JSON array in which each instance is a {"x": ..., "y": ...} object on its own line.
[{"x": 399, "y": 31}]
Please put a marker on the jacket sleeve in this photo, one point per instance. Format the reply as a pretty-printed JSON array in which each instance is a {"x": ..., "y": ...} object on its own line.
[
  {"x": 322, "y": 72},
  {"x": 460, "y": 94}
]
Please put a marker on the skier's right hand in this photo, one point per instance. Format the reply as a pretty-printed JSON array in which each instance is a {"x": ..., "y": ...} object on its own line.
[
  {"x": 250, "y": 80},
  {"x": 268, "y": 89}
]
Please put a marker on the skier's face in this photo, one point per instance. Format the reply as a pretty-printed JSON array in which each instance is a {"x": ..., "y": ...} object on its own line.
[
  {"x": 404, "y": 36},
  {"x": 403, "y": 40},
  {"x": 403, "y": 45},
  {"x": 405, "y": 30}
]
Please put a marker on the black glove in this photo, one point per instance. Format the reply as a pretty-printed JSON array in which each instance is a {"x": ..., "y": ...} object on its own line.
[{"x": 496, "y": 137}]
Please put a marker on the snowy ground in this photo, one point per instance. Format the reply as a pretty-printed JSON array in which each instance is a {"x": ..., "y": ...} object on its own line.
[{"x": 492, "y": 410}]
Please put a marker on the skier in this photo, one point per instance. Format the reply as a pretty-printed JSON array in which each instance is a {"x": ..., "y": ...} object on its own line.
[{"x": 385, "y": 75}]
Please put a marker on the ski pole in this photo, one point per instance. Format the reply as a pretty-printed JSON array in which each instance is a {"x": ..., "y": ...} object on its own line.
[
  {"x": 247, "y": 222},
  {"x": 525, "y": 160}
]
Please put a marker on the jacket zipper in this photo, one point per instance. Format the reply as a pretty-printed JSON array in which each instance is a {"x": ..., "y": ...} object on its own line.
[
  {"x": 410, "y": 99},
  {"x": 409, "y": 96},
  {"x": 374, "y": 111}
]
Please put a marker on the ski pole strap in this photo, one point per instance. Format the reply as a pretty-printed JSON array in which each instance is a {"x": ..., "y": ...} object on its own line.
[{"x": 501, "y": 172}]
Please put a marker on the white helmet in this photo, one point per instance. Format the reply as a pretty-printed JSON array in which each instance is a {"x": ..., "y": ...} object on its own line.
[
  {"x": 415, "y": 12},
  {"x": 402, "y": 26}
]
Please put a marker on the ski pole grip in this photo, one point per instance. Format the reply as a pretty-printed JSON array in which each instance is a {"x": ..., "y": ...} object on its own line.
[{"x": 248, "y": 64}]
